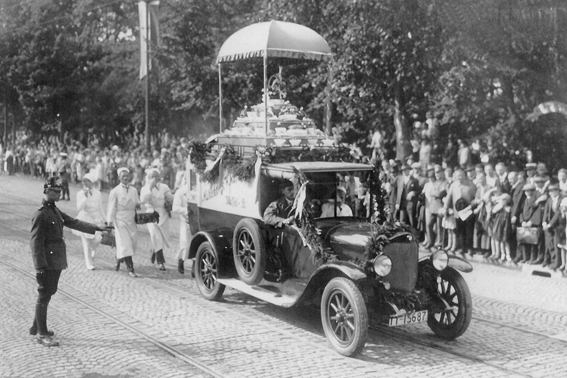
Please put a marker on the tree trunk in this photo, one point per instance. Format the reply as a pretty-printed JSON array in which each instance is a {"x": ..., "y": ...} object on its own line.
[{"x": 403, "y": 133}]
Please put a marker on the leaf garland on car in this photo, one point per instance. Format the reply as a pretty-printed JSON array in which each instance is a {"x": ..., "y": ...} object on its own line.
[
  {"x": 306, "y": 224},
  {"x": 384, "y": 227},
  {"x": 243, "y": 168}
]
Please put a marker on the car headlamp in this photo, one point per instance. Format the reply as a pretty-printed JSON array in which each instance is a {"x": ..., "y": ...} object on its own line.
[
  {"x": 382, "y": 265},
  {"x": 439, "y": 259}
]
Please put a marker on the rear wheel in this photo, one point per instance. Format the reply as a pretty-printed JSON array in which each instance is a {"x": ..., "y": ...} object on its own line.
[
  {"x": 249, "y": 251},
  {"x": 207, "y": 274},
  {"x": 344, "y": 316},
  {"x": 455, "y": 315}
]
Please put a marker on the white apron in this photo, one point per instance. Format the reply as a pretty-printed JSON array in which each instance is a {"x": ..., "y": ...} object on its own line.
[{"x": 154, "y": 200}]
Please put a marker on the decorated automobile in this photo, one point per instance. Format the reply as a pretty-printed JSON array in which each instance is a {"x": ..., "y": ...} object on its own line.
[{"x": 280, "y": 212}]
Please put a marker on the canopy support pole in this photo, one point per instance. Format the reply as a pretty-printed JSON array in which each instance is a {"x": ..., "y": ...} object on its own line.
[
  {"x": 220, "y": 98},
  {"x": 266, "y": 92},
  {"x": 328, "y": 102}
]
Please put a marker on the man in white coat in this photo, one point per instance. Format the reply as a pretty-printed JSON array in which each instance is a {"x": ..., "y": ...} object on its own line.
[
  {"x": 122, "y": 203},
  {"x": 154, "y": 196},
  {"x": 89, "y": 204},
  {"x": 185, "y": 236}
]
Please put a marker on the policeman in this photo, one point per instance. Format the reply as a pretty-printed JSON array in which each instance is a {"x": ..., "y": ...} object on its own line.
[{"x": 49, "y": 254}]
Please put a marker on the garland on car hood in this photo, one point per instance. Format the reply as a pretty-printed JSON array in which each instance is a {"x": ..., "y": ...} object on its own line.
[{"x": 384, "y": 226}]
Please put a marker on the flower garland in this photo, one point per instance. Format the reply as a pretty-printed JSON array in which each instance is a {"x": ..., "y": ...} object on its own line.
[
  {"x": 384, "y": 227},
  {"x": 306, "y": 224}
]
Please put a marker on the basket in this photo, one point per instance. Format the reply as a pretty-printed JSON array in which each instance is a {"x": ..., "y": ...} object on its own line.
[{"x": 143, "y": 218}]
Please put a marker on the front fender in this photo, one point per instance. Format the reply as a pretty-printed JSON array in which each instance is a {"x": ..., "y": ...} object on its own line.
[
  {"x": 460, "y": 264},
  {"x": 327, "y": 272}
]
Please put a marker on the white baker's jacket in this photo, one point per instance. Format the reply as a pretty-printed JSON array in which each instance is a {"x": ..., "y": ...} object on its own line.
[{"x": 122, "y": 202}]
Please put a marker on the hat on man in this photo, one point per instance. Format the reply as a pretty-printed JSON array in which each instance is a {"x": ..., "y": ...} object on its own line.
[
  {"x": 63, "y": 154},
  {"x": 405, "y": 166},
  {"x": 540, "y": 178},
  {"x": 470, "y": 168},
  {"x": 285, "y": 184},
  {"x": 438, "y": 168},
  {"x": 52, "y": 183},
  {"x": 530, "y": 166},
  {"x": 122, "y": 169},
  {"x": 527, "y": 187},
  {"x": 416, "y": 165},
  {"x": 553, "y": 186}
]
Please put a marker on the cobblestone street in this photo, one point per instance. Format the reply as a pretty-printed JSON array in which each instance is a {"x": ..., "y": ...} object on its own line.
[{"x": 158, "y": 325}]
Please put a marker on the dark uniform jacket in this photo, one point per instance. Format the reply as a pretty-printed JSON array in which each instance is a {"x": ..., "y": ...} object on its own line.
[
  {"x": 277, "y": 212},
  {"x": 551, "y": 215},
  {"x": 47, "y": 242}
]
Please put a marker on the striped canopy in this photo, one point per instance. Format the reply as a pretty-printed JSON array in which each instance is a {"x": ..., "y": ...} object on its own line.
[{"x": 276, "y": 39}]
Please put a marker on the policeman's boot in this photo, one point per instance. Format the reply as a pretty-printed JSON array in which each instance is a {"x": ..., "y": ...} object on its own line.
[
  {"x": 43, "y": 337},
  {"x": 160, "y": 259}
]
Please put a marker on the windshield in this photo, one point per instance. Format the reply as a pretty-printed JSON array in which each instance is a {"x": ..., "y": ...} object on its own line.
[{"x": 332, "y": 195}]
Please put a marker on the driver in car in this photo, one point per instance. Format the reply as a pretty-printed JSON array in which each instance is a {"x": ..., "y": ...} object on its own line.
[
  {"x": 338, "y": 198},
  {"x": 279, "y": 212}
]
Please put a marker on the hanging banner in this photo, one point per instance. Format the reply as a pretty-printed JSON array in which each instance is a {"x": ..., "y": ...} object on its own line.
[{"x": 152, "y": 36}]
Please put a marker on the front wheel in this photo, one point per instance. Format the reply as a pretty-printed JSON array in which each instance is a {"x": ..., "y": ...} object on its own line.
[
  {"x": 344, "y": 316},
  {"x": 455, "y": 315},
  {"x": 207, "y": 272}
]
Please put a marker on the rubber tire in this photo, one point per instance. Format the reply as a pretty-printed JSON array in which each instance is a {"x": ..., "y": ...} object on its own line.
[
  {"x": 337, "y": 291},
  {"x": 250, "y": 262},
  {"x": 452, "y": 284},
  {"x": 206, "y": 272}
]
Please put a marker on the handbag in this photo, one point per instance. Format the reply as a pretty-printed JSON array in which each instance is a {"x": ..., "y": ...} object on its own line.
[
  {"x": 143, "y": 218},
  {"x": 527, "y": 235},
  {"x": 109, "y": 239}
]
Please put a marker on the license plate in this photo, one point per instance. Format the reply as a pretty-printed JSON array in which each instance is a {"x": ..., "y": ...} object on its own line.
[{"x": 414, "y": 317}]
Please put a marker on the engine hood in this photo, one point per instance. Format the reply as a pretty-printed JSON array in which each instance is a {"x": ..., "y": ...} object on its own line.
[{"x": 348, "y": 239}]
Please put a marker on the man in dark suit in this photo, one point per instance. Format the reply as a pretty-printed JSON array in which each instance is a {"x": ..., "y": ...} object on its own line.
[
  {"x": 530, "y": 216},
  {"x": 279, "y": 213},
  {"x": 516, "y": 180},
  {"x": 49, "y": 253},
  {"x": 552, "y": 227},
  {"x": 405, "y": 193}
]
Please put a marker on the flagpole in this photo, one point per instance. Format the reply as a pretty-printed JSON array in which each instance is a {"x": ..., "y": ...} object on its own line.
[{"x": 147, "y": 74}]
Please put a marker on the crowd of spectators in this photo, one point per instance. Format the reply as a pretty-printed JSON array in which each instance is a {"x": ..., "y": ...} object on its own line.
[
  {"x": 71, "y": 160},
  {"x": 504, "y": 214}
]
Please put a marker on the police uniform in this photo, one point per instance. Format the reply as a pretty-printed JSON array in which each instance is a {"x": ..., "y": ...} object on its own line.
[{"x": 49, "y": 255}]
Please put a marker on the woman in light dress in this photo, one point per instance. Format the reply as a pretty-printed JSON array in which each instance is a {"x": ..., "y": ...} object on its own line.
[
  {"x": 89, "y": 204},
  {"x": 155, "y": 196}
]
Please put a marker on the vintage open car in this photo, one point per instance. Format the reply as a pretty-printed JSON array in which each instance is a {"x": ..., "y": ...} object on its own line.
[{"x": 319, "y": 260}]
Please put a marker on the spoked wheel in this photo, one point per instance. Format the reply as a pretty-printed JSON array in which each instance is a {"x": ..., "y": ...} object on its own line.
[
  {"x": 456, "y": 313},
  {"x": 207, "y": 273},
  {"x": 249, "y": 250},
  {"x": 344, "y": 316}
]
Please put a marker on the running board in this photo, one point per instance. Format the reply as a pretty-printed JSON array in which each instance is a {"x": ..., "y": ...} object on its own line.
[{"x": 281, "y": 294}]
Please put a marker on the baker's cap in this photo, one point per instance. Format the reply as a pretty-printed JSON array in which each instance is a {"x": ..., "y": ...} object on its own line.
[
  {"x": 91, "y": 176},
  {"x": 122, "y": 169}
]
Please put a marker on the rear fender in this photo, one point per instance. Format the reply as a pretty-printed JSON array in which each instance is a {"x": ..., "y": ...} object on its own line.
[{"x": 221, "y": 242}]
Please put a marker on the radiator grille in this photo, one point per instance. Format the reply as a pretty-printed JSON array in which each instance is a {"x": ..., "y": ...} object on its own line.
[{"x": 404, "y": 255}]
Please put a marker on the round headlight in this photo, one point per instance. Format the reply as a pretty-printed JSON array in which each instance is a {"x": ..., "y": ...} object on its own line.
[
  {"x": 439, "y": 259},
  {"x": 382, "y": 265}
]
